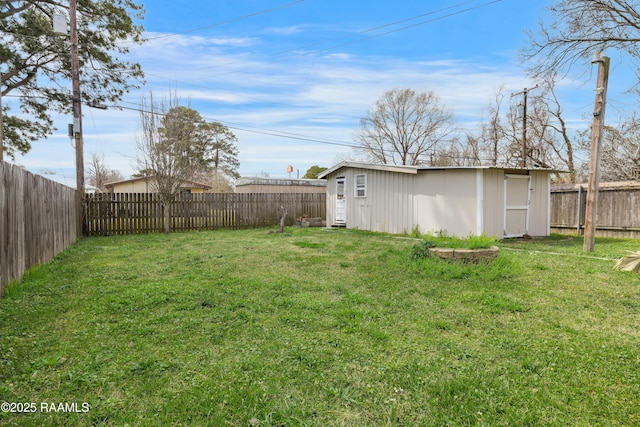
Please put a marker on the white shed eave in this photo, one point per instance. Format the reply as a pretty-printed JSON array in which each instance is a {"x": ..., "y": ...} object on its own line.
[{"x": 371, "y": 166}]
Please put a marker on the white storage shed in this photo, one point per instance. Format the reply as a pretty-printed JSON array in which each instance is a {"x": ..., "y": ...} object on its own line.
[{"x": 461, "y": 201}]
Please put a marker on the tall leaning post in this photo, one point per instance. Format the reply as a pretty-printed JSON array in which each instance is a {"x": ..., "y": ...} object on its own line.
[
  {"x": 77, "y": 109},
  {"x": 597, "y": 131}
]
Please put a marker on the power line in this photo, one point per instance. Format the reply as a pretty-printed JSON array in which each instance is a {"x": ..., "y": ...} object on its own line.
[
  {"x": 411, "y": 26},
  {"x": 458, "y": 12},
  {"x": 408, "y": 26},
  {"x": 288, "y": 135},
  {"x": 218, "y": 24},
  {"x": 229, "y": 21},
  {"x": 262, "y": 100},
  {"x": 269, "y": 132}
]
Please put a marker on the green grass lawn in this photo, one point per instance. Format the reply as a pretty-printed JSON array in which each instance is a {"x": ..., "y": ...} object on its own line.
[{"x": 318, "y": 328}]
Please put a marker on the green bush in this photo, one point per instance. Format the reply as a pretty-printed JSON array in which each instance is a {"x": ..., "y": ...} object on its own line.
[{"x": 421, "y": 250}]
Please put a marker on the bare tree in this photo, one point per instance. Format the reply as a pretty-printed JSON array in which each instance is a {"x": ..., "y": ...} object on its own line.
[
  {"x": 580, "y": 28},
  {"x": 555, "y": 147},
  {"x": 548, "y": 142},
  {"x": 99, "y": 173},
  {"x": 404, "y": 128},
  {"x": 490, "y": 144},
  {"x": 620, "y": 153},
  {"x": 166, "y": 148},
  {"x": 492, "y": 132},
  {"x": 473, "y": 150},
  {"x": 457, "y": 153},
  {"x": 497, "y": 141}
]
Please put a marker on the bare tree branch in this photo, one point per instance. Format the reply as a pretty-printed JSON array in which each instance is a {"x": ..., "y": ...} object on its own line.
[
  {"x": 404, "y": 128},
  {"x": 579, "y": 29},
  {"x": 99, "y": 173}
]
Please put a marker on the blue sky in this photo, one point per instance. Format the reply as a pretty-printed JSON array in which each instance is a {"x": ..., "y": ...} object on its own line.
[{"x": 293, "y": 78}]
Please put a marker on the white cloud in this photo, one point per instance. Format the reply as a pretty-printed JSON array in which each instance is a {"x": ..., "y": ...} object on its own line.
[
  {"x": 284, "y": 31},
  {"x": 339, "y": 56}
]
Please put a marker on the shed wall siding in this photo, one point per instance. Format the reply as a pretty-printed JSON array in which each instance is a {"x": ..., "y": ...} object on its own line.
[
  {"x": 539, "y": 207},
  {"x": 388, "y": 205},
  {"x": 391, "y": 204},
  {"x": 493, "y": 206},
  {"x": 447, "y": 200}
]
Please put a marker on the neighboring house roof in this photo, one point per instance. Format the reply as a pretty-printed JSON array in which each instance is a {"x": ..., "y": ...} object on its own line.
[
  {"x": 414, "y": 169},
  {"x": 185, "y": 184},
  {"x": 281, "y": 181}
]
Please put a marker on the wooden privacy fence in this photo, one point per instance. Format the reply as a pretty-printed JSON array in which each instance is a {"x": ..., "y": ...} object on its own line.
[
  {"x": 133, "y": 213},
  {"x": 38, "y": 219},
  {"x": 617, "y": 214}
]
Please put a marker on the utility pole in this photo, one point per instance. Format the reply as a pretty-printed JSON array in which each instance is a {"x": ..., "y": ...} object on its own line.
[
  {"x": 76, "y": 98},
  {"x": 597, "y": 131},
  {"x": 1, "y": 124},
  {"x": 525, "y": 92}
]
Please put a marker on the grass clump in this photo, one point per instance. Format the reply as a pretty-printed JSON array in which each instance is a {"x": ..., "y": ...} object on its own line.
[
  {"x": 421, "y": 250},
  {"x": 442, "y": 240},
  {"x": 481, "y": 242}
]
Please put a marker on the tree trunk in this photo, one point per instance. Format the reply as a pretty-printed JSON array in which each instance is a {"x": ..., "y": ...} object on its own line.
[
  {"x": 283, "y": 216},
  {"x": 167, "y": 216}
]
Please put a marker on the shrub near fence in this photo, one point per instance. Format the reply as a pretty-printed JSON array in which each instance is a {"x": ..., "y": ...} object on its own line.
[
  {"x": 38, "y": 219},
  {"x": 133, "y": 213}
]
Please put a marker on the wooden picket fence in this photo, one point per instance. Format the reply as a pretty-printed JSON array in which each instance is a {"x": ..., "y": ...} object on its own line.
[{"x": 135, "y": 213}]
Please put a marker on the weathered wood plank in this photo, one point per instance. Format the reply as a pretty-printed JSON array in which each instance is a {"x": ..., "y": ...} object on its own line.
[
  {"x": 617, "y": 214},
  {"x": 38, "y": 219}
]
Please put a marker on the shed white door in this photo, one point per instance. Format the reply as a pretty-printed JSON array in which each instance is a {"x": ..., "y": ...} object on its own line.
[
  {"x": 341, "y": 201},
  {"x": 517, "y": 197}
]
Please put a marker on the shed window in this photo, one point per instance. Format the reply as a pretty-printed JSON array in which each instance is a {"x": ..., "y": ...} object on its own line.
[
  {"x": 340, "y": 188},
  {"x": 361, "y": 185}
]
